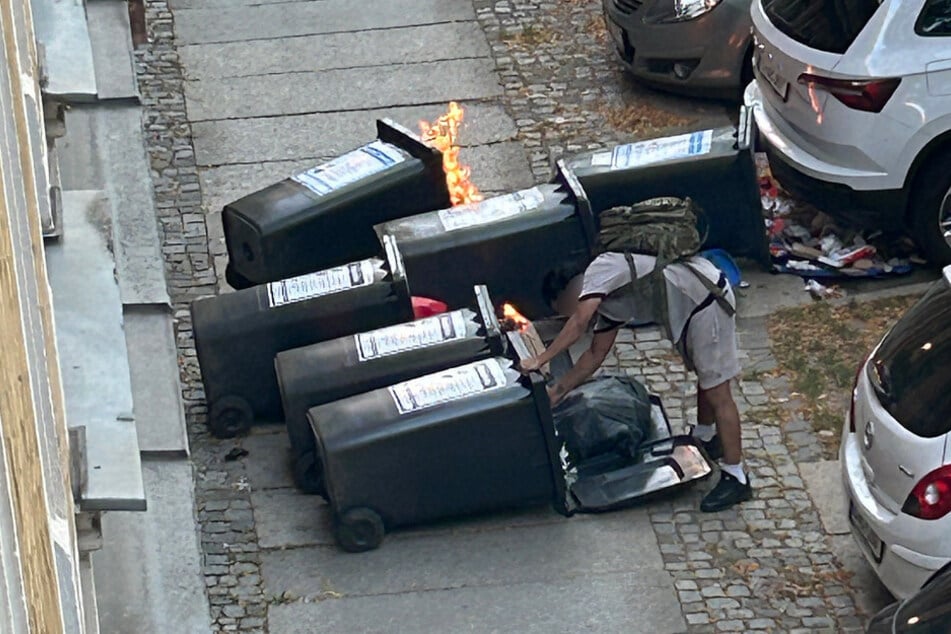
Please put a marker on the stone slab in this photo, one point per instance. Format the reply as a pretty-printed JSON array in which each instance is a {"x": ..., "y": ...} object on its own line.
[
  {"x": 148, "y": 573},
  {"x": 618, "y": 603},
  {"x": 499, "y": 167},
  {"x": 405, "y": 45},
  {"x": 328, "y": 135},
  {"x": 286, "y": 518},
  {"x": 268, "y": 464},
  {"x": 412, "y": 561},
  {"x": 263, "y": 21},
  {"x": 111, "y": 39},
  {"x": 870, "y": 595},
  {"x": 344, "y": 89},
  {"x": 61, "y": 30},
  {"x": 823, "y": 480},
  {"x": 104, "y": 150},
  {"x": 153, "y": 363},
  {"x": 93, "y": 354}
]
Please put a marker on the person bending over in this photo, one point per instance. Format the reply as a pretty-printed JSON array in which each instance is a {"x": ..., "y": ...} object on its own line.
[{"x": 699, "y": 319}]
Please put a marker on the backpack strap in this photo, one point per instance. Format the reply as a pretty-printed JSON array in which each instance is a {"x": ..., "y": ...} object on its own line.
[
  {"x": 657, "y": 283},
  {"x": 716, "y": 291}
]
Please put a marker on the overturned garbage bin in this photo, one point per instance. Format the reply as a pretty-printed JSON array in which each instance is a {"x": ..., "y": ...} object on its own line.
[
  {"x": 716, "y": 168},
  {"x": 238, "y": 334},
  {"x": 324, "y": 217},
  {"x": 474, "y": 438},
  {"x": 335, "y": 369},
  {"x": 508, "y": 243}
]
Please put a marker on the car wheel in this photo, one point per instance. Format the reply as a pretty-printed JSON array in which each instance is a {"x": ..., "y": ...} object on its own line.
[{"x": 931, "y": 209}]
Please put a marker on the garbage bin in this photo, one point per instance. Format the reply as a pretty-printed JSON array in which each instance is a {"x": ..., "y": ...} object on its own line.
[
  {"x": 477, "y": 437},
  {"x": 508, "y": 243},
  {"x": 716, "y": 168},
  {"x": 335, "y": 369},
  {"x": 238, "y": 334},
  {"x": 324, "y": 217},
  {"x": 472, "y": 438}
]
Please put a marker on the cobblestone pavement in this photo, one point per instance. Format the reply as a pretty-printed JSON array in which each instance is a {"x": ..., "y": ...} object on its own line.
[
  {"x": 228, "y": 540},
  {"x": 764, "y": 566},
  {"x": 767, "y": 566}
]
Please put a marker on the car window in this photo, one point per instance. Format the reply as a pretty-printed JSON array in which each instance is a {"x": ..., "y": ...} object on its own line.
[
  {"x": 929, "y": 611},
  {"x": 935, "y": 18},
  {"x": 909, "y": 371},
  {"x": 827, "y": 25}
]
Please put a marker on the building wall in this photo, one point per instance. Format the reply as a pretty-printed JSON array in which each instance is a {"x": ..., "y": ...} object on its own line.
[{"x": 39, "y": 584}]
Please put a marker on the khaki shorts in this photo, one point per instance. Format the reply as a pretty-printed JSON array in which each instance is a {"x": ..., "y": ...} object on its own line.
[{"x": 709, "y": 348}]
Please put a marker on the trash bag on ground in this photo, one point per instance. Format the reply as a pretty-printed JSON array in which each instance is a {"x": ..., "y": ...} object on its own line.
[{"x": 607, "y": 416}]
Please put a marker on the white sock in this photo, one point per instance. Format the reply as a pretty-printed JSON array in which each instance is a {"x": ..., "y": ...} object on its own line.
[
  {"x": 704, "y": 432},
  {"x": 735, "y": 470}
]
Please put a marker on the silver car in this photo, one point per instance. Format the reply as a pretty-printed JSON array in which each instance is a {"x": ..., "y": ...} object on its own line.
[{"x": 691, "y": 46}]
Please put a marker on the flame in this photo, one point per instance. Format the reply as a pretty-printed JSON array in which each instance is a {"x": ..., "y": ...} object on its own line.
[
  {"x": 442, "y": 134},
  {"x": 509, "y": 312}
]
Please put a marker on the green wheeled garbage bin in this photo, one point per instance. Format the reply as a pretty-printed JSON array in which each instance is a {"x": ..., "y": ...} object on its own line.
[
  {"x": 509, "y": 243},
  {"x": 237, "y": 335},
  {"x": 332, "y": 370},
  {"x": 324, "y": 217},
  {"x": 714, "y": 167}
]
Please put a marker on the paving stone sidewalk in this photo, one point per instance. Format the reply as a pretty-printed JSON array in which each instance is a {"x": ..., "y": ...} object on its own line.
[{"x": 767, "y": 566}]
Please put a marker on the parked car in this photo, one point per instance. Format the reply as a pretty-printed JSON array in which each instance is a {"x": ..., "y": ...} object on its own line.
[
  {"x": 853, "y": 101},
  {"x": 689, "y": 46},
  {"x": 926, "y": 612},
  {"x": 896, "y": 447}
]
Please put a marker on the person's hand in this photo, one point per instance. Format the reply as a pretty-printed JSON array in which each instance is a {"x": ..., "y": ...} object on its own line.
[{"x": 532, "y": 364}]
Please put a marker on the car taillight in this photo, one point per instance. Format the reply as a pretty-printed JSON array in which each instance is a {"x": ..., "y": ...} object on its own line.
[
  {"x": 869, "y": 95},
  {"x": 931, "y": 498}
]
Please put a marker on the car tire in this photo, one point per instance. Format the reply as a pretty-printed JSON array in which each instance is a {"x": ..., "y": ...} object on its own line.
[{"x": 931, "y": 207}]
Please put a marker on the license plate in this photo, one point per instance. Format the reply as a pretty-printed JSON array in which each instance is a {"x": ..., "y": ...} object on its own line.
[
  {"x": 773, "y": 78},
  {"x": 866, "y": 534}
]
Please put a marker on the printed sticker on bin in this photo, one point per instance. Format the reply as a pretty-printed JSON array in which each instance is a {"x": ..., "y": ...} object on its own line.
[
  {"x": 304, "y": 287},
  {"x": 349, "y": 168},
  {"x": 451, "y": 385},
  {"x": 659, "y": 150},
  {"x": 421, "y": 333},
  {"x": 491, "y": 210}
]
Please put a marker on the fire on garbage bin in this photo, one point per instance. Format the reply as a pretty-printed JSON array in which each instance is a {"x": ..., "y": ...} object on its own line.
[
  {"x": 514, "y": 320},
  {"x": 442, "y": 134}
]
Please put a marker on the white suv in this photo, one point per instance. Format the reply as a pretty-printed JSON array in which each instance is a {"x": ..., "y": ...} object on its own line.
[{"x": 853, "y": 101}]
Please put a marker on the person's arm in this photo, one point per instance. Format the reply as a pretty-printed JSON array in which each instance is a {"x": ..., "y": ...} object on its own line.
[
  {"x": 572, "y": 331},
  {"x": 590, "y": 361}
]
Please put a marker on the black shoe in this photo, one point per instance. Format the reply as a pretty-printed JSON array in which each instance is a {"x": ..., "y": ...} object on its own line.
[
  {"x": 726, "y": 493},
  {"x": 713, "y": 448}
]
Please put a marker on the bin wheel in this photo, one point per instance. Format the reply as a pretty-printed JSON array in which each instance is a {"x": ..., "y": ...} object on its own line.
[
  {"x": 236, "y": 280},
  {"x": 359, "y": 529},
  {"x": 230, "y": 416},
  {"x": 309, "y": 474}
]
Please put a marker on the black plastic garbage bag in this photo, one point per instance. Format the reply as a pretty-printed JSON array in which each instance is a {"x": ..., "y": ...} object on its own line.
[{"x": 607, "y": 415}]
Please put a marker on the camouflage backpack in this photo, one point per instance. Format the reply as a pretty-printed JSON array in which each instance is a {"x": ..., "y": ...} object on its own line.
[{"x": 665, "y": 228}]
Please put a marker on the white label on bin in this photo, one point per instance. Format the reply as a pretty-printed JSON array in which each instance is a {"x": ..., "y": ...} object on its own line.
[
  {"x": 411, "y": 336},
  {"x": 451, "y": 385},
  {"x": 658, "y": 150},
  {"x": 601, "y": 159},
  {"x": 349, "y": 168},
  {"x": 304, "y": 287},
  {"x": 491, "y": 210}
]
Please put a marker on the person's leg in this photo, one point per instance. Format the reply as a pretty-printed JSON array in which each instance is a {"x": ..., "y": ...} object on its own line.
[{"x": 723, "y": 410}]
